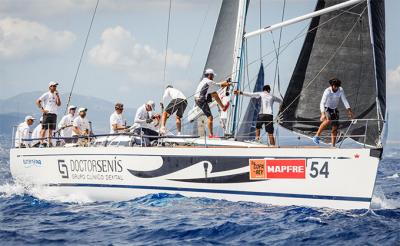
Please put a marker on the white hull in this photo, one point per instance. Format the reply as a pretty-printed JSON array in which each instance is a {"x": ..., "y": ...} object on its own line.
[{"x": 123, "y": 173}]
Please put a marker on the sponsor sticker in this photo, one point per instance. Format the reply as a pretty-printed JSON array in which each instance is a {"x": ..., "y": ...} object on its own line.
[
  {"x": 286, "y": 169},
  {"x": 277, "y": 169},
  {"x": 257, "y": 168}
]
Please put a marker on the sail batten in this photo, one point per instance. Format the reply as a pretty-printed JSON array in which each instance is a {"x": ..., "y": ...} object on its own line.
[{"x": 350, "y": 42}]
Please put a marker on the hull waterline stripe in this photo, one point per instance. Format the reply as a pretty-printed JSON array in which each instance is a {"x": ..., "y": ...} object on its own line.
[{"x": 233, "y": 192}]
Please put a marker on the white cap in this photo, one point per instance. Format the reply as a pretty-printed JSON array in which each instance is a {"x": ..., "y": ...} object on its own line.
[
  {"x": 51, "y": 83},
  {"x": 209, "y": 71},
  {"x": 71, "y": 107},
  {"x": 151, "y": 104},
  {"x": 29, "y": 117},
  {"x": 82, "y": 110}
]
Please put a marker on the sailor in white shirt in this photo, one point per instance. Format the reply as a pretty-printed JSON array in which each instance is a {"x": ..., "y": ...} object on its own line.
[
  {"x": 144, "y": 119},
  {"x": 265, "y": 115},
  {"x": 178, "y": 104},
  {"x": 116, "y": 121},
  {"x": 65, "y": 125},
  {"x": 328, "y": 107},
  {"x": 48, "y": 104},
  {"x": 80, "y": 125},
  {"x": 23, "y": 132},
  {"x": 205, "y": 92}
]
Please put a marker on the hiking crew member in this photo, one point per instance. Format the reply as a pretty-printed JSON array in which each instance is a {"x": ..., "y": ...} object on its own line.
[
  {"x": 116, "y": 121},
  {"x": 80, "y": 126},
  {"x": 328, "y": 107},
  {"x": 205, "y": 92},
  {"x": 51, "y": 101},
  {"x": 23, "y": 132},
  {"x": 178, "y": 104},
  {"x": 265, "y": 116},
  {"x": 66, "y": 123}
]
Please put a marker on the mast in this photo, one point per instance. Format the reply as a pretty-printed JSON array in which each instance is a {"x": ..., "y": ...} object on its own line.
[{"x": 237, "y": 64}]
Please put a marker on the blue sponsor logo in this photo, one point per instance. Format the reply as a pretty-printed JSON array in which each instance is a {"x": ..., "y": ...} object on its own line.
[{"x": 32, "y": 162}]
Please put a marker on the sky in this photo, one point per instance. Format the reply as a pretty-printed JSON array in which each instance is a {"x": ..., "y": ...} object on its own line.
[{"x": 42, "y": 40}]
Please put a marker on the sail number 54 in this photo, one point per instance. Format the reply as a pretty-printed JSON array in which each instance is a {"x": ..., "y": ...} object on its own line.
[{"x": 318, "y": 170}]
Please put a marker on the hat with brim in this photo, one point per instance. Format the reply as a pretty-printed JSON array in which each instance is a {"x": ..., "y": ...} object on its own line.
[
  {"x": 151, "y": 104},
  {"x": 209, "y": 71},
  {"x": 71, "y": 107},
  {"x": 53, "y": 83},
  {"x": 29, "y": 117},
  {"x": 82, "y": 110}
]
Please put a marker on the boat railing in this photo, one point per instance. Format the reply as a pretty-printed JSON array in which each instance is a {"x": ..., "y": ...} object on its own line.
[{"x": 133, "y": 138}]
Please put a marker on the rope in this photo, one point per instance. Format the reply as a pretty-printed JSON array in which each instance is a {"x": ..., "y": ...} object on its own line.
[
  {"x": 323, "y": 68},
  {"x": 166, "y": 43},
  {"x": 83, "y": 52},
  {"x": 300, "y": 34}
]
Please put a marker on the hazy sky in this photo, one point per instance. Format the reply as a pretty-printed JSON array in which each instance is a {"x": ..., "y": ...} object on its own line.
[{"x": 42, "y": 40}]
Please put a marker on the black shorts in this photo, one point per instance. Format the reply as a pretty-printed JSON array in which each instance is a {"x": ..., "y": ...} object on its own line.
[
  {"x": 49, "y": 121},
  {"x": 203, "y": 105},
  {"x": 332, "y": 115},
  {"x": 177, "y": 105},
  {"x": 266, "y": 119}
]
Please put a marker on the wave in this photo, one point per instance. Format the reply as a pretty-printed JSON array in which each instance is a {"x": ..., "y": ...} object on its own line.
[
  {"x": 380, "y": 201},
  {"x": 41, "y": 192}
]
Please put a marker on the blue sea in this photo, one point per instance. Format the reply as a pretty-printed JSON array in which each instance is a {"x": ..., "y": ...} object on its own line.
[{"x": 35, "y": 217}]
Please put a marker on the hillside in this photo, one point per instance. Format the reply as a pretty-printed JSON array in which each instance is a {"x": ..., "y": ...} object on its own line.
[{"x": 14, "y": 109}]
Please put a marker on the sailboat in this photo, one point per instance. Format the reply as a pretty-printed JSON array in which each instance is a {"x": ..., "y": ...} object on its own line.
[{"x": 345, "y": 39}]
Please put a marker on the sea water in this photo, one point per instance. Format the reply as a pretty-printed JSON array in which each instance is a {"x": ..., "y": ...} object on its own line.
[{"x": 35, "y": 216}]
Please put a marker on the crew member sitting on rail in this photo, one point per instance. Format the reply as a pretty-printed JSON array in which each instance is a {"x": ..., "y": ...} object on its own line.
[
  {"x": 265, "y": 115},
  {"x": 23, "y": 132},
  {"x": 81, "y": 127},
  {"x": 51, "y": 101},
  {"x": 328, "y": 107},
  {"x": 65, "y": 125},
  {"x": 205, "y": 92},
  {"x": 178, "y": 104},
  {"x": 117, "y": 124},
  {"x": 143, "y": 121}
]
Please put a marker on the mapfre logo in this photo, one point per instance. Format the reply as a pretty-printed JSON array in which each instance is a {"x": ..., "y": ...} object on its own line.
[
  {"x": 277, "y": 169},
  {"x": 286, "y": 169},
  {"x": 63, "y": 169}
]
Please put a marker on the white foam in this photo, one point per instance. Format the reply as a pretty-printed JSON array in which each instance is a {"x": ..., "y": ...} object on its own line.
[
  {"x": 379, "y": 200},
  {"x": 42, "y": 192},
  {"x": 394, "y": 176}
]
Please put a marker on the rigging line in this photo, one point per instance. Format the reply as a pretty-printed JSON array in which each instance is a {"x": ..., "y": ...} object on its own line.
[
  {"x": 323, "y": 68},
  {"x": 285, "y": 46},
  {"x": 198, "y": 38},
  {"x": 166, "y": 42},
  {"x": 260, "y": 24},
  {"x": 276, "y": 75},
  {"x": 83, "y": 52}
]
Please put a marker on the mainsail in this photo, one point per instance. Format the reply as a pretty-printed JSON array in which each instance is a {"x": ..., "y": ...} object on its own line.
[
  {"x": 350, "y": 45},
  {"x": 247, "y": 127},
  {"x": 227, "y": 37}
]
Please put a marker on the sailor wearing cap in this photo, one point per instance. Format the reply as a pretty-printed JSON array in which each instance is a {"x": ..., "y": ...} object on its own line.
[
  {"x": 48, "y": 104},
  {"x": 23, "y": 132},
  {"x": 178, "y": 104},
  {"x": 206, "y": 90},
  {"x": 80, "y": 125},
  {"x": 65, "y": 125},
  {"x": 116, "y": 120},
  {"x": 144, "y": 115}
]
